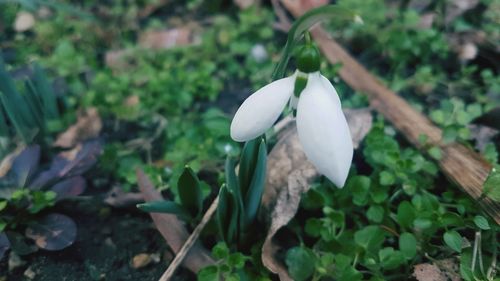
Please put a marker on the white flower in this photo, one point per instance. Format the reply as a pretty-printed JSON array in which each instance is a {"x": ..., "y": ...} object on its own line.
[{"x": 321, "y": 124}]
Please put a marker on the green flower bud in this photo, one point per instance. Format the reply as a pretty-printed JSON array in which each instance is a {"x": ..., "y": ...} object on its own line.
[{"x": 308, "y": 58}]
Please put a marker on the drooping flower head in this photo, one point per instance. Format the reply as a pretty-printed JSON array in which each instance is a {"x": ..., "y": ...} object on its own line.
[{"x": 321, "y": 124}]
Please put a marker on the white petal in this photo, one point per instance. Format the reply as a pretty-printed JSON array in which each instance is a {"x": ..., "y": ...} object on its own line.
[
  {"x": 259, "y": 111},
  {"x": 323, "y": 130},
  {"x": 328, "y": 85}
]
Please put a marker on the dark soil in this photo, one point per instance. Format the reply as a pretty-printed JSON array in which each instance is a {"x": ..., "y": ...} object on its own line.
[{"x": 107, "y": 241}]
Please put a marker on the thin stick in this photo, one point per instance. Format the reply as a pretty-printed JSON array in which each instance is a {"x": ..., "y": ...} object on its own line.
[
  {"x": 169, "y": 273},
  {"x": 474, "y": 252}
]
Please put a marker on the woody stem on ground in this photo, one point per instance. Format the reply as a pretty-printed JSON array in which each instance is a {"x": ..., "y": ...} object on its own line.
[{"x": 169, "y": 273}]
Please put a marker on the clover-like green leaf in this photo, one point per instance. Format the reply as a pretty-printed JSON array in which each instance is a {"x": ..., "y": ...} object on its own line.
[{"x": 453, "y": 240}]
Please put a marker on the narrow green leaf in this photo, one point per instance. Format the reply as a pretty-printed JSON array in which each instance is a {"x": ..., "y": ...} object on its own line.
[
  {"x": 247, "y": 164},
  {"x": 46, "y": 94},
  {"x": 453, "y": 240},
  {"x": 236, "y": 225},
  {"x": 235, "y": 229},
  {"x": 222, "y": 213},
  {"x": 33, "y": 102},
  {"x": 14, "y": 106},
  {"x": 4, "y": 129},
  {"x": 254, "y": 194},
  {"x": 164, "y": 207},
  {"x": 190, "y": 192},
  {"x": 232, "y": 180}
]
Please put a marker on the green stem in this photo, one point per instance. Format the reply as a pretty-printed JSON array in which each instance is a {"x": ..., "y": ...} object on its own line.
[
  {"x": 493, "y": 265},
  {"x": 302, "y": 24}
]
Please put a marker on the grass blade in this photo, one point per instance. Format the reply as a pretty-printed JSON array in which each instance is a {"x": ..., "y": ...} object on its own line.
[
  {"x": 190, "y": 193},
  {"x": 164, "y": 207},
  {"x": 254, "y": 195}
]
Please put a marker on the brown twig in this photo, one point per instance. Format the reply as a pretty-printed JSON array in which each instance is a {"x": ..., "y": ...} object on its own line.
[
  {"x": 462, "y": 165},
  {"x": 172, "y": 229},
  {"x": 283, "y": 23},
  {"x": 169, "y": 273}
]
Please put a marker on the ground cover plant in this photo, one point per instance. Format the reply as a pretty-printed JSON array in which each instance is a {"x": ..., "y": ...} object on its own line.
[{"x": 164, "y": 80}]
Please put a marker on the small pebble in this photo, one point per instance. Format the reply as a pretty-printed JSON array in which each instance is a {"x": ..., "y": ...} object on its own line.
[
  {"x": 141, "y": 260},
  {"x": 259, "y": 53},
  {"x": 29, "y": 273},
  {"x": 24, "y": 21},
  {"x": 155, "y": 257},
  {"x": 15, "y": 261}
]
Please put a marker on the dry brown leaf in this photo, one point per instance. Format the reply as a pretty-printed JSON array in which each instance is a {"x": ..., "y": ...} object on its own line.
[
  {"x": 483, "y": 135},
  {"x": 118, "y": 198},
  {"x": 172, "y": 229},
  {"x": 167, "y": 39},
  {"x": 88, "y": 125},
  {"x": 303, "y": 5},
  {"x": 360, "y": 123},
  {"x": 442, "y": 270},
  {"x": 243, "y": 4},
  {"x": 427, "y": 20},
  {"x": 117, "y": 59},
  {"x": 6, "y": 163},
  {"x": 132, "y": 101},
  {"x": 141, "y": 260},
  {"x": 151, "y": 8},
  {"x": 419, "y": 5},
  {"x": 465, "y": 44},
  {"x": 24, "y": 21},
  {"x": 289, "y": 175},
  {"x": 455, "y": 8}
]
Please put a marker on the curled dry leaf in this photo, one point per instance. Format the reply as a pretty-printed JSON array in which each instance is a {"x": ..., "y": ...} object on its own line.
[
  {"x": 70, "y": 187},
  {"x": 490, "y": 119},
  {"x": 88, "y": 125},
  {"x": 289, "y": 175},
  {"x": 118, "y": 59},
  {"x": 172, "y": 229},
  {"x": 166, "y": 39},
  {"x": 360, "y": 123},
  {"x": 483, "y": 135},
  {"x": 151, "y": 8},
  {"x": 53, "y": 232},
  {"x": 6, "y": 163},
  {"x": 70, "y": 163},
  {"x": 243, "y": 4},
  {"x": 118, "y": 198},
  {"x": 455, "y": 8}
]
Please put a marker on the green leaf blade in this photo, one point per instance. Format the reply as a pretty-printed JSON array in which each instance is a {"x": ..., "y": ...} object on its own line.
[
  {"x": 190, "y": 192},
  {"x": 165, "y": 206},
  {"x": 254, "y": 194}
]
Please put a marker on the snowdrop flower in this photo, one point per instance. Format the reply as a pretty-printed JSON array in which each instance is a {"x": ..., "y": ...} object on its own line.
[{"x": 321, "y": 124}]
